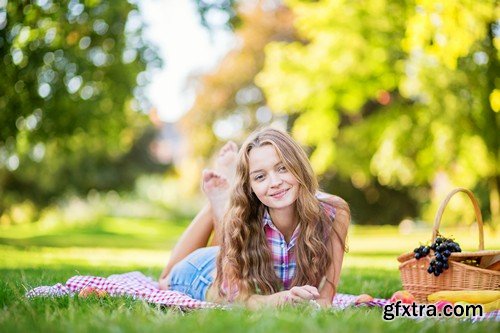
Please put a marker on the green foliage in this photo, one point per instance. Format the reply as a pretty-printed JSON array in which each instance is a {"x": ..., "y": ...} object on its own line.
[
  {"x": 73, "y": 75},
  {"x": 220, "y": 8},
  {"x": 397, "y": 93},
  {"x": 397, "y": 100},
  {"x": 228, "y": 105}
]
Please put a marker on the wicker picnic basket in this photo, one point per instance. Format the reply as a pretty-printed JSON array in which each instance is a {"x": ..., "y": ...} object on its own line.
[{"x": 459, "y": 276}]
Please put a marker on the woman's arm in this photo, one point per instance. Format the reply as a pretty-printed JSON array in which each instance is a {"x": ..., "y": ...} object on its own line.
[{"x": 328, "y": 288}]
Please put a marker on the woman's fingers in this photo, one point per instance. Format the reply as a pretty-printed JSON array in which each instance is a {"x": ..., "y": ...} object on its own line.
[
  {"x": 163, "y": 284},
  {"x": 288, "y": 298},
  {"x": 305, "y": 292},
  {"x": 312, "y": 290},
  {"x": 291, "y": 298},
  {"x": 298, "y": 294}
]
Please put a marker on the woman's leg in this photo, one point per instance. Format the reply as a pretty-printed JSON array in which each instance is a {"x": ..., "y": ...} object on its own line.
[
  {"x": 217, "y": 189},
  {"x": 194, "y": 237},
  {"x": 195, "y": 274},
  {"x": 217, "y": 185},
  {"x": 198, "y": 232}
]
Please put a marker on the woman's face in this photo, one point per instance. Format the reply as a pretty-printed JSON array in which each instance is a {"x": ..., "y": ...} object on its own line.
[{"x": 272, "y": 183}]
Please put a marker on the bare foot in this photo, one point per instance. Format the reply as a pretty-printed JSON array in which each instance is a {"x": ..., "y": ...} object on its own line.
[
  {"x": 163, "y": 284},
  {"x": 225, "y": 162},
  {"x": 216, "y": 187}
]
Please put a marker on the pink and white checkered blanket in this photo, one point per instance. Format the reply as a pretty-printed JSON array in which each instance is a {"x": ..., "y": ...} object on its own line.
[{"x": 137, "y": 285}]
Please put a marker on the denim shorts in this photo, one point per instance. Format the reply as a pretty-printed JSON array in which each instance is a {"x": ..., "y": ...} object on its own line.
[{"x": 195, "y": 274}]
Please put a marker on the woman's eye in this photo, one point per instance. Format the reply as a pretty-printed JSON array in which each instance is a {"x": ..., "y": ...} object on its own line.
[
  {"x": 282, "y": 168},
  {"x": 259, "y": 177}
]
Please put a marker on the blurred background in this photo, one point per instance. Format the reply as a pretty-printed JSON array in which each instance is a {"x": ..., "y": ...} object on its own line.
[{"x": 110, "y": 109}]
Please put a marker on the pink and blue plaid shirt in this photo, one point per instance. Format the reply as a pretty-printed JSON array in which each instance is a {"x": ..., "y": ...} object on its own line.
[{"x": 284, "y": 262}]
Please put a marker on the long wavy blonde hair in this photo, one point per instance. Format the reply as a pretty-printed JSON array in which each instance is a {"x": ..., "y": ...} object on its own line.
[{"x": 245, "y": 264}]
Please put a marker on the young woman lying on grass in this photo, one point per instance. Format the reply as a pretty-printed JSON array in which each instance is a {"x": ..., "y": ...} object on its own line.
[{"x": 277, "y": 239}]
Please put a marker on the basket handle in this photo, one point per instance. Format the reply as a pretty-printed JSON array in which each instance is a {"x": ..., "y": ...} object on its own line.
[{"x": 477, "y": 211}]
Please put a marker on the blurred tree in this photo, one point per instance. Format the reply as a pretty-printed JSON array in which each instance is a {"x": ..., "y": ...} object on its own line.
[
  {"x": 228, "y": 104},
  {"x": 71, "y": 97},
  {"x": 404, "y": 93},
  {"x": 216, "y": 14}
]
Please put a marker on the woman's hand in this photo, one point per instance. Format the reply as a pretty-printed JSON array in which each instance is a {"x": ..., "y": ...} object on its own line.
[
  {"x": 301, "y": 294},
  {"x": 163, "y": 284},
  {"x": 298, "y": 294},
  {"x": 295, "y": 295}
]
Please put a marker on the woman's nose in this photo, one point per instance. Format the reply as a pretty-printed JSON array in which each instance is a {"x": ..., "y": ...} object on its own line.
[{"x": 275, "y": 179}]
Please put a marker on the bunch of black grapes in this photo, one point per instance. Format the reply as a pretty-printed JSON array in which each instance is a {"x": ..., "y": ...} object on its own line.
[{"x": 443, "y": 248}]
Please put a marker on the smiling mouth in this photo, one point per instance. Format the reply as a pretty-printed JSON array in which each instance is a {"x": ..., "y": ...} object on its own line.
[{"x": 280, "y": 193}]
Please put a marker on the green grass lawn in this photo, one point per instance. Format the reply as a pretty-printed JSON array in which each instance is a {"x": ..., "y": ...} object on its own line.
[{"x": 32, "y": 256}]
